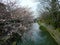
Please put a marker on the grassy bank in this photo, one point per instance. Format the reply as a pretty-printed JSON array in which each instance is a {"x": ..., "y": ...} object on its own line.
[{"x": 55, "y": 33}]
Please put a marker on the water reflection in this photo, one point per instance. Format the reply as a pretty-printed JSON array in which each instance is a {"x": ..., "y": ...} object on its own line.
[{"x": 37, "y": 37}]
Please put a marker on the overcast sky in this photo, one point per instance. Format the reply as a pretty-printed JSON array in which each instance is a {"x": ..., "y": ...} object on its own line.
[{"x": 30, "y": 3}]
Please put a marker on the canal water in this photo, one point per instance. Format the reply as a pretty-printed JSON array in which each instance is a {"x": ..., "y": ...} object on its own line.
[{"x": 37, "y": 37}]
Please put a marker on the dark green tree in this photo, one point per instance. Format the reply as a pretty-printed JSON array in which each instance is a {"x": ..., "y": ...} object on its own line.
[{"x": 52, "y": 12}]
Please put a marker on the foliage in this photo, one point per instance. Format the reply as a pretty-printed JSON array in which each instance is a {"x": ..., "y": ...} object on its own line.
[{"x": 12, "y": 22}]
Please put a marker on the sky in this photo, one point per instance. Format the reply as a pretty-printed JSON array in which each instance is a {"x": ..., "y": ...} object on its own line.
[{"x": 32, "y": 4}]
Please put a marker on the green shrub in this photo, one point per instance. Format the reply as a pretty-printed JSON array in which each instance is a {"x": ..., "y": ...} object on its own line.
[{"x": 43, "y": 28}]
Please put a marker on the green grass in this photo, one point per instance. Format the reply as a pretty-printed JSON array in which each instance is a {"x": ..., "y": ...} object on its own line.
[{"x": 58, "y": 29}]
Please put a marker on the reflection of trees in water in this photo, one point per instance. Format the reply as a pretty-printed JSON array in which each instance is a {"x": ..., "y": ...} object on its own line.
[
  {"x": 48, "y": 39},
  {"x": 42, "y": 38}
]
